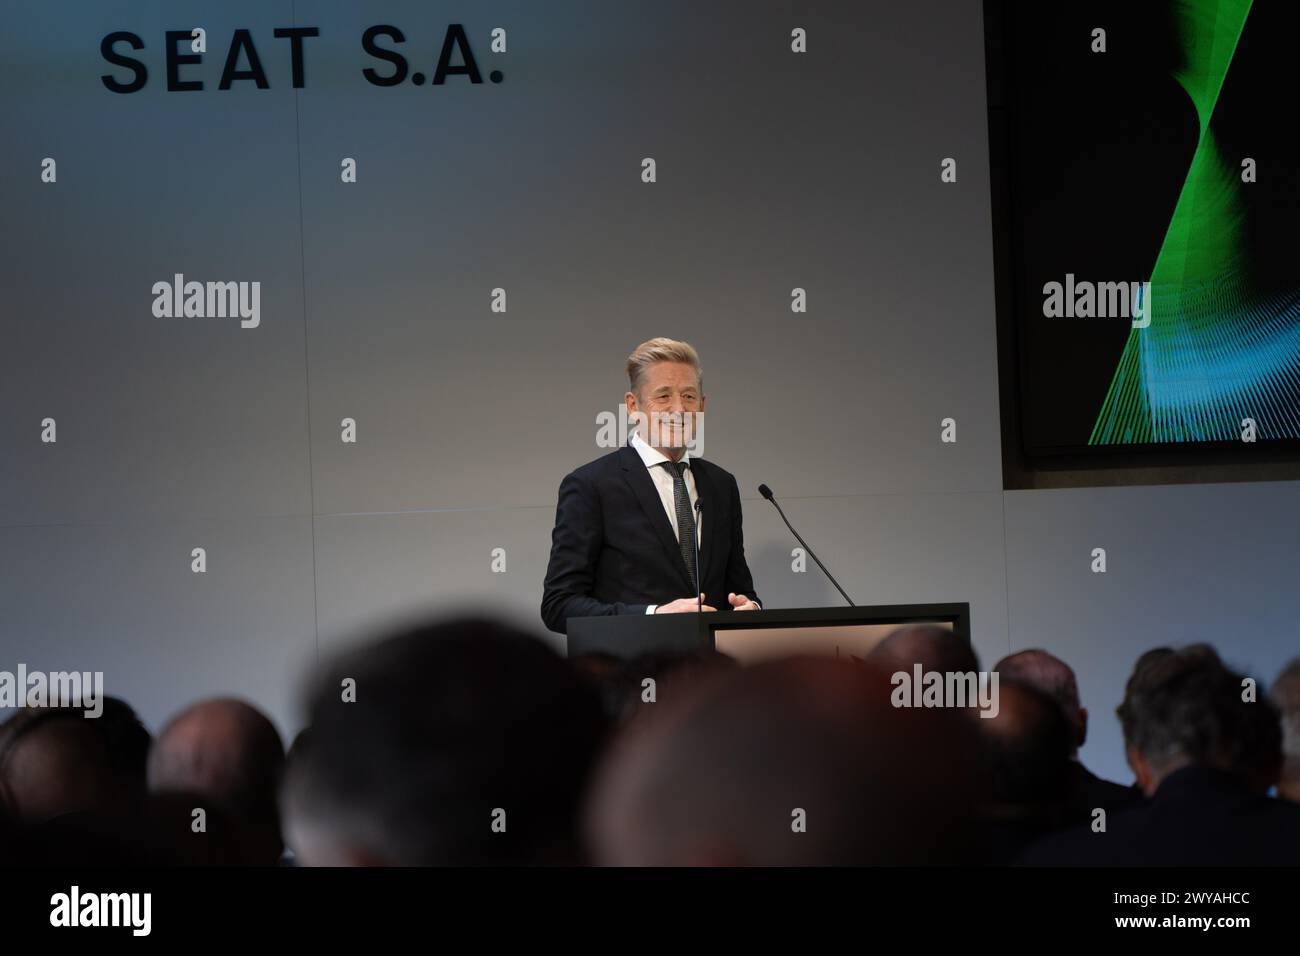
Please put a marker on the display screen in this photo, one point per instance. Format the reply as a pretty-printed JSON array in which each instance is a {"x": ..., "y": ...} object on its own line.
[{"x": 1151, "y": 200}]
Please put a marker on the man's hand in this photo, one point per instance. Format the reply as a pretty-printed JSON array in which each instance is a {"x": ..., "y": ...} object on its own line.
[
  {"x": 682, "y": 606},
  {"x": 740, "y": 602}
]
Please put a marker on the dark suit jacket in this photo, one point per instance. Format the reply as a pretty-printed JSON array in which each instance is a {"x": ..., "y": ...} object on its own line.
[
  {"x": 1196, "y": 817},
  {"x": 1089, "y": 791},
  {"x": 1009, "y": 835},
  {"x": 613, "y": 550}
]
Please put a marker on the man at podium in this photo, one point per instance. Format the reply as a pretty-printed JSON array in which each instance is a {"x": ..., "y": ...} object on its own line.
[{"x": 627, "y": 525}]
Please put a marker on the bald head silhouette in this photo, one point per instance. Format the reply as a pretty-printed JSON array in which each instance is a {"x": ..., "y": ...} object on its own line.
[
  {"x": 1055, "y": 678},
  {"x": 795, "y": 762},
  {"x": 55, "y": 762},
  {"x": 227, "y": 752},
  {"x": 935, "y": 648}
]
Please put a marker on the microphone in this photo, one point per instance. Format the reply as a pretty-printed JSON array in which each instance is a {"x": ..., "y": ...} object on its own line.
[
  {"x": 766, "y": 492},
  {"x": 699, "y": 581}
]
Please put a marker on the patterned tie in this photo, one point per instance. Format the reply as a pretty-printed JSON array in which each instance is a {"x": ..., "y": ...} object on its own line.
[{"x": 685, "y": 518}]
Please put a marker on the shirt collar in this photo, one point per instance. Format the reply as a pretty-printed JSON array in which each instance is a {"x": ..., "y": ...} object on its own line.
[{"x": 652, "y": 456}]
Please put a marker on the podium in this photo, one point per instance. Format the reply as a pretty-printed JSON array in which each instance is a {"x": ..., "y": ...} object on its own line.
[{"x": 754, "y": 635}]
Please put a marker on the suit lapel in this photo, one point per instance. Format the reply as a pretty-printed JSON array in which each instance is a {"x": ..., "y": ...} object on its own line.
[{"x": 643, "y": 486}]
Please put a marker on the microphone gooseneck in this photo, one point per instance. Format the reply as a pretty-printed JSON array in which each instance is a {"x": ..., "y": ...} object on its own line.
[{"x": 766, "y": 492}]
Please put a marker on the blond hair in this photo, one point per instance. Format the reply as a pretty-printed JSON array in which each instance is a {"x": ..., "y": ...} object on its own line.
[{"x": 660, "y": 350}]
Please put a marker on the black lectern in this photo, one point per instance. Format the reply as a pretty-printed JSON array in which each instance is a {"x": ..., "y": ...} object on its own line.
[{"x": 749, "y": 635}]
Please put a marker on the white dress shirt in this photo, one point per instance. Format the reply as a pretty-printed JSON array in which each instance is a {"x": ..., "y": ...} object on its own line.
[{"x": 663, "y": 479}]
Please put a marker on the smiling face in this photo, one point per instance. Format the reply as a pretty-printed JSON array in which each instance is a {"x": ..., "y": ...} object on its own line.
[{"x": 667, "y": 393}]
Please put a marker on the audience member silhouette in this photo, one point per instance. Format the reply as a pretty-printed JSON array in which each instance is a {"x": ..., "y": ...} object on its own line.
[
  {"x": 1054, "y": 677},
  {"x": 230, "y": 755},
  {"x": 1200, "y": 746},
  {"x": 56, "y": 760},
  {"x": 793, "y": 762},
  {"x": 1026, "y": 745},
  {"x": 934, "y": 647},
  {"x": 459, "y": 742},
  {"x": 1285, "y": 695}
]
